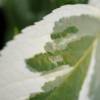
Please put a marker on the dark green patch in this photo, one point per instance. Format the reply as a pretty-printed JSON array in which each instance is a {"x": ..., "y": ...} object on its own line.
[{"x": 69, "y": 30}]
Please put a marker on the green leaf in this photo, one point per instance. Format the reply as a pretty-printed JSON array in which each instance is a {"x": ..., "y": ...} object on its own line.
[
  {"x": 70, "y": 86},
  {"x": 70, "y": 55},
  {"x": 71, "y": 29}
]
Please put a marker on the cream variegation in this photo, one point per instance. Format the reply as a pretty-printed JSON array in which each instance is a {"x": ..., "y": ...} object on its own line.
[{"x": 16, "y": 81}]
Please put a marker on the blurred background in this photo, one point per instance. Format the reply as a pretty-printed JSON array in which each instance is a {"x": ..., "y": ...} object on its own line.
[{"x": 17, "y": 14}]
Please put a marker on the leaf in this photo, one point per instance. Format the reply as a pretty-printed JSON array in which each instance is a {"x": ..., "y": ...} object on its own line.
[
  {"x": 14, "y": 76},
  {"x": 71, "y": 85},
  {"x": 70, "y": 55}
]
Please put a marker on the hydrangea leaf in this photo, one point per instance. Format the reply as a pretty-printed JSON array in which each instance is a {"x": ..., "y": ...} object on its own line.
[{"x": 14, "y": 76}]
